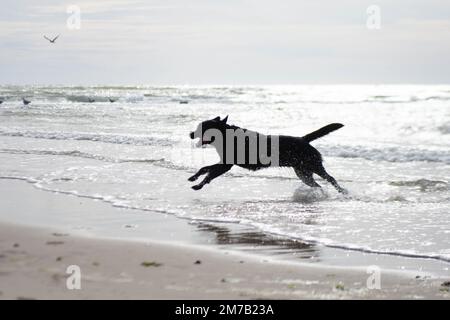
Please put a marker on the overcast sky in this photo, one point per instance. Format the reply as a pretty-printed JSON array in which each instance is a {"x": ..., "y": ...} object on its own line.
[{"x": 224, "y": 42}]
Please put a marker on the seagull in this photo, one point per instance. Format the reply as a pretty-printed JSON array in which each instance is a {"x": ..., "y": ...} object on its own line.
[
  {"x": 25, "y": 101},
  {"x": 52, "y": 40},
  {"x": 112, "y": 100}
]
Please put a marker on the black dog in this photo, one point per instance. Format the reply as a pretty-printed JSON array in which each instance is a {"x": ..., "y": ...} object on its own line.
[{"x": 246, "y": 148}]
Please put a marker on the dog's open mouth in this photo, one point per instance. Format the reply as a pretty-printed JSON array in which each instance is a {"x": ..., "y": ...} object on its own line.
[{"x": 199, "y": 142}]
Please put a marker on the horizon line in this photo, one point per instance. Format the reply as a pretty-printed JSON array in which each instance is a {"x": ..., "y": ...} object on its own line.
[{"x": 221, "y": 84}]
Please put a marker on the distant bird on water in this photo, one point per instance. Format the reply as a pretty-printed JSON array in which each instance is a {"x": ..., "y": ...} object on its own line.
[
  {"x": 52, "y": 40},
  {"x": 90, "y": 100},
  {"x": 112, "y": 100},
  {"x": 25, "y": 101},
  {"x": 1, "y": 101}
]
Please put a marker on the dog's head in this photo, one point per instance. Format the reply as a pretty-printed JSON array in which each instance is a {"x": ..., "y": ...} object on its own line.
[{"x": 207, "y": 130}]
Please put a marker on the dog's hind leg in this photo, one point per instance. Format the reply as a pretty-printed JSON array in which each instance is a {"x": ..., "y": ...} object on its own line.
[
  {"x": 213, "y": 172},
  {"x": 306, "y": 177},
  {"x": 321, "y": 172}
]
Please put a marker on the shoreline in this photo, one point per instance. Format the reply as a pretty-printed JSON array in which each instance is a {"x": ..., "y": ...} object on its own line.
[
  {"x": 136, "y": 224},
  {"x": 34, "y": 259}
]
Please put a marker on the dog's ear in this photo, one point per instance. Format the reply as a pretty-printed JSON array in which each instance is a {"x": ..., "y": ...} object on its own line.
[
  {"x": 216, "y": 119},
  {"x": 224, "y": 120}
]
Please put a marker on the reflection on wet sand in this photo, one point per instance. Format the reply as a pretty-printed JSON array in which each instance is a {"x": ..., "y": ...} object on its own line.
[{"x": 247, "y": 239}]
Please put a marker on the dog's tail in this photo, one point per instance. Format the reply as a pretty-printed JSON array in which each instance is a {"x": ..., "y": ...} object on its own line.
[{"x": 322, "y": 131}]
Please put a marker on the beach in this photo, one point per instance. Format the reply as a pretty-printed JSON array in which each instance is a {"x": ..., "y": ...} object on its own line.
[
  {"x": 392, "y": 155},
  {"x": 34, "y": 262},
  {"x": 224, "y": 150}
]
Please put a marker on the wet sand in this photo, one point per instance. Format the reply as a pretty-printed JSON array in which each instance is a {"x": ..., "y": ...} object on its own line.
[{"x": 34, "y": 265}]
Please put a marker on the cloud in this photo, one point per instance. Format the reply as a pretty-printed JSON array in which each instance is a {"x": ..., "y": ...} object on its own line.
[{"x": 243, "y": 41}]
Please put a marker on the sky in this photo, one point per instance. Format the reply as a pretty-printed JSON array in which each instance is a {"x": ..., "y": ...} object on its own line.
[{"x": 237, "y": 42}]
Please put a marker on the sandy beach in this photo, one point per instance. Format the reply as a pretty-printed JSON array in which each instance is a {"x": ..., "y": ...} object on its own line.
[{"x": 34, "y": 262}]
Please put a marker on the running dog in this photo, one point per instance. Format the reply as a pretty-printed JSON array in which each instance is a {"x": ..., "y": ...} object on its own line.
[{"x": 245, "y": 148}]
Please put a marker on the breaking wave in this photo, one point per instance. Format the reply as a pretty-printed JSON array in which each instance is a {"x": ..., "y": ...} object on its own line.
[
  {"x": 444, "y": 129},
  {"x": 97, "y": 137},
  {"x": 161, "y": 162},
  {"x": 424, "y": 185},
  {"x": 390, "y": 154}
]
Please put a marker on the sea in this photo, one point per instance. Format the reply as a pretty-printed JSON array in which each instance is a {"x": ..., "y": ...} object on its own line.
[{"x": 392, "y": 155}]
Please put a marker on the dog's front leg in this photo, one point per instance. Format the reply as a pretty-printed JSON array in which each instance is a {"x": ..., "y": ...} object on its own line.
[
  {"x": 200, "y": 172},
  {"x": 214, "y": 171}
]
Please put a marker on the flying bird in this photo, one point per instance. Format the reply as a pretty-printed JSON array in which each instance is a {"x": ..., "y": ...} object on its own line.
[
  {"x": 25, "y": 101},
  {"x": 52, "y": 40},
  {"x": 112, "y": 100}
]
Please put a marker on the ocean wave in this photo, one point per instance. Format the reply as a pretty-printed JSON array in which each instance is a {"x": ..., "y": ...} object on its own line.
[
  {"x": 201, "y": 98},
  {"x": 226, "y": 94},
  {"x": 104, "y": 198},
  {"x": 73, "y": 153},
  {"x": 364, "y": 249},
  {"x": 390, "y": 154},
  {"x": 160, "y": 162},
  {"x": 424, "y": 185},
  {"x": 444, "y": 129},
  {"x": 96, "y": 137},
  {"x": 85, "y": 98},
  {"x": 330, "y": 243},
  {"x": 439, "y": 98},
  {"x": 381, "y": 99}
]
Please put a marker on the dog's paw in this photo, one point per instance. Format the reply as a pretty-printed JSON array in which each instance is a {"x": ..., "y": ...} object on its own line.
[
  {"x": 193, "y": 178},
  {"x": 197, "y": 187}
]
